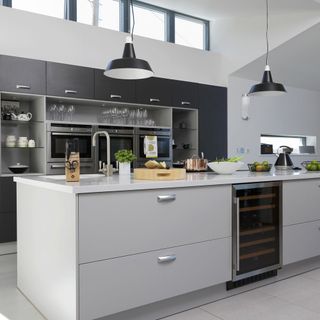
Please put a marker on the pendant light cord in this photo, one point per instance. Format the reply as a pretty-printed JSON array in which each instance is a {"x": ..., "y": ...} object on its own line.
[
  {"x": 267, "y": 31},
  {"x": 133, "y": 19}
]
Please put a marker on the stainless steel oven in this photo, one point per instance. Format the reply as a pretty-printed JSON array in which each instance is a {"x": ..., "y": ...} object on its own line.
[
  {"x": 57, "y": 135},
  {"x": 120, "y": 138},
  {"x": 164, "y": 141}
]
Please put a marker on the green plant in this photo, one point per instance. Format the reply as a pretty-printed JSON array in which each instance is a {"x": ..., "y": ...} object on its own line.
[{"x": 125, "y": 155}]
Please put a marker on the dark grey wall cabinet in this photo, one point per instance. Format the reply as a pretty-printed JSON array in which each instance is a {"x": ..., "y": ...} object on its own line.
[
  {"x": 8, "y": 224},
  {"x": 154, "y": 91},
  {"x": 184, "y": 94},
  {"x": 22, "y": 75},
  {"x": 213, "y": 121},
  {"x": 65, "y": 80},
  {"x": 108, "y": 89}
]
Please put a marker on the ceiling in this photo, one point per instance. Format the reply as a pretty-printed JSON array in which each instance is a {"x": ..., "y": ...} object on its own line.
[
  {"x": 214, "y": 9},
  {"x": 301, "y": 55}
]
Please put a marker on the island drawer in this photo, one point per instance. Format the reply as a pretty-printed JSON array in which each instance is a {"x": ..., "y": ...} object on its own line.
[
  {"x": 301, "y": 241},
  {"x": 301, "y": 201},
  {"x": 115, "y": 285},
  {"x": 122, "y": 223}
]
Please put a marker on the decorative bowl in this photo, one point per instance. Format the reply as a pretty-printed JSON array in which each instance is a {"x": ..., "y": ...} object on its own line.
[
  {"x": 225, "y": 167},
  {"x": 18, "y": 168},
  {"x": 262, "y": 168}
]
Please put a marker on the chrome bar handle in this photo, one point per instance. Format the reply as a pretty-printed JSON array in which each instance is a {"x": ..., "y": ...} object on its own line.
[
  {"x": 167, "y": 198},
  {"x": 185, "y": 103},
  {"x": 115, "y": 96},
  {"x": 22, "y": 86},
  {"x": 238, "y": 233},
  {"x": 57, "y": 166},
  {"x": 67, "y": 91},
  {"x": 154, "y": 100},
  {"x": 166, "y": 259}
]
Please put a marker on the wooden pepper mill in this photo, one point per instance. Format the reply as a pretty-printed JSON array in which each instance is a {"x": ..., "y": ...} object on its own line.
[{"x": 72, "y": 165}]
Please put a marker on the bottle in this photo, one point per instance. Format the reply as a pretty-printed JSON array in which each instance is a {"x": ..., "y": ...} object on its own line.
[{"x": 72, "y": 164}]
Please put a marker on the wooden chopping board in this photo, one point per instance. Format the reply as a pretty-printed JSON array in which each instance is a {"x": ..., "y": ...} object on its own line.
[{"x": 159, "y": 174}]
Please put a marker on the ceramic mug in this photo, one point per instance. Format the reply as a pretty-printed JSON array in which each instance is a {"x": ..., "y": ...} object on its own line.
[
  {"x": 11, "y": 141},
  {"x": 22, "y": 142},
  {"x": 31, "y": 144}
]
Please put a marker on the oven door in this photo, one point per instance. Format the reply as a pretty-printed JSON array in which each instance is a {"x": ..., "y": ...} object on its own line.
[
  {"x": 117, "y": 142},
  {"x": 164, "y": 148},
  {"x": 56, "y": 146}
]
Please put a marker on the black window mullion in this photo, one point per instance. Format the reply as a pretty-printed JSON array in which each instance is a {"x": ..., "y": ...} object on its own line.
[
  {"x": 70, "y": 10},
  {"x": 171, "y": 33},
  {"x": 125, "y": 15},
  {"x": 207, "y": 35}
]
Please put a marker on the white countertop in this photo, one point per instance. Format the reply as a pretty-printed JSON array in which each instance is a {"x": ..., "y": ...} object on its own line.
[{"x": 92, "y": 183}]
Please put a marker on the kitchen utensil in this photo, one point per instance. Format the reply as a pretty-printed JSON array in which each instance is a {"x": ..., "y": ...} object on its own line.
[
  {"x": 22, "y": 116},
  {"x": 18, "y": 168},
  {"x": 283, "y": 162},
  {"x": 159, "y": 174},
  {"x": 72, "y": 160},
  {"x": 195, "y": 164},
  {"x": 225, "y": 167}
]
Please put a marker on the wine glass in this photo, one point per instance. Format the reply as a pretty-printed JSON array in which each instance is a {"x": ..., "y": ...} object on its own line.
[
  {"x": 62, "y": 112},
  {"x": 53, "y": 111},
  {"x": 70, "y": 112}
]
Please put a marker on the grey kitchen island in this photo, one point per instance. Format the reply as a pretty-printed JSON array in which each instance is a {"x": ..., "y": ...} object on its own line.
[{"x": 118, "y": 248}]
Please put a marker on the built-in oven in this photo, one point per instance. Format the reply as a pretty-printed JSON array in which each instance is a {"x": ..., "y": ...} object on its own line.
[
  {"x": 120, "y": 138},
  {"x": 57, "y": 135},
  {"x": 257, "y": 231},
  {"x": 164, "y": 143}
]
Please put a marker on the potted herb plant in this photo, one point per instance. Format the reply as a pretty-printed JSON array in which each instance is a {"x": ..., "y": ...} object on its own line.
[{"x": 124, "y": 157}]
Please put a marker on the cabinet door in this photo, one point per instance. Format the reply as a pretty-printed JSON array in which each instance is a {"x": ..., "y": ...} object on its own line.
[
  {"x": 184, "y": 94},
  {"x": 8, "y": 223},
  {"x": 109, "y": 89},
  {"x": 307, "y": 208},
  {"x": 212, "y": 104},
  {"x": 22, "y": 75},
  {"x": 114, "y": 285},
  {"x": 70, "y": 81},
  {"x": 154, "y": 91},
  {"x": 301, "y": 241}
]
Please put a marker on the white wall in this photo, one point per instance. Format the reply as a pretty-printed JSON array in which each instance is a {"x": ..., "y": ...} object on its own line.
[
  {"x": 36, "y": 36},
  {"x": 242, "y": 40},
  {"x": 297, "y": 112}
]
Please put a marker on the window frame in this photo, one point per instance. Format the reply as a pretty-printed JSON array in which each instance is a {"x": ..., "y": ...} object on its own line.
[{"x": 70, "y": 13}]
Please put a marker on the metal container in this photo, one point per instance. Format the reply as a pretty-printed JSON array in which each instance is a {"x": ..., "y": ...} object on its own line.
[{"x": 196, "y": 164}]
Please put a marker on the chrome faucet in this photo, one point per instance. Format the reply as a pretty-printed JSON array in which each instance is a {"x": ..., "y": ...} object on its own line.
[{"x": 108, "y": 170}]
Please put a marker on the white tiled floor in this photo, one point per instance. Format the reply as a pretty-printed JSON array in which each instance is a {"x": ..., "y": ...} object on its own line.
[{"x": 297, "y": 298}]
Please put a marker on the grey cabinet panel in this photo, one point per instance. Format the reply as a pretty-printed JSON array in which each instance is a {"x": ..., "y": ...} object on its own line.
[
  {"x": 212, "y": 102},
  {"x": 22, "y": 75},
  {"x": 107, "y": 219},
  {"x": 70, "y": 81},
  {"x": 8, "y": 224},
  {"x": 108, "y": 89},
  {"x": 7, "y": 195},
  {"x": 184, "y": 94},
  {"x": 115, "y": 285},
  {"x": 301, "y": 241},
  {"x": 154, "y": 91},
  {"x": 8, "y": 227},
  {"x": 307, "y": 208}
]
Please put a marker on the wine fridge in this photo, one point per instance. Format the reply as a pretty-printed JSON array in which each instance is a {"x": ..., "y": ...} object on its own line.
[{"x": 256, "y": 229}]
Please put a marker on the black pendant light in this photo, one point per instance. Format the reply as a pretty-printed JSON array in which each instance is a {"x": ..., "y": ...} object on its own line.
[
  {"x": 129, "y": 67},
  {"x": 267, "y": 87}
]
